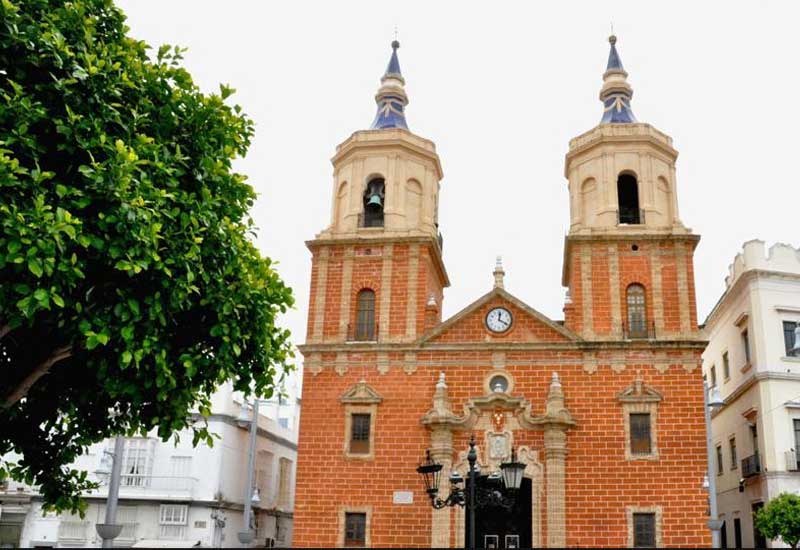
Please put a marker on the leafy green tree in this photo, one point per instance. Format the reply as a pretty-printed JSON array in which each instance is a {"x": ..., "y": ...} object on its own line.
[
  {"x": 128, "y": 280},
  {"x": 780, "y": 519}
]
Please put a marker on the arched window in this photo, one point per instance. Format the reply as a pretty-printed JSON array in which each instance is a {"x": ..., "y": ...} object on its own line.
[
  {"x": 374, "y": 197},
  {"x": 637, "y": 316},
  {"x": 628, "y": 199},
  {"x": 365, "y": 315}
]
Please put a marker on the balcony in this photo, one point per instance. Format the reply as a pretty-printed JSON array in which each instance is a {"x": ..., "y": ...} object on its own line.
[
  {"x": 144, "y": 486},
  {"x": 362, "y": 333},
  {"x": 641, "y": 332},
  {"x": 751, "y": 466},
  {"x": 630, "y": 216},
  {"x": 70, "y": 530},
  {"x": 172, "y": 532}
]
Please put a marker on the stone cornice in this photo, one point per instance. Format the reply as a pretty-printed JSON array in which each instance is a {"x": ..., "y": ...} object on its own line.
[
  {"x": 393, "y": 139},
  {"x": 579, "y": 346},
  {"x": 749, "y": 382},
  {"x": 733, "y": 291}
]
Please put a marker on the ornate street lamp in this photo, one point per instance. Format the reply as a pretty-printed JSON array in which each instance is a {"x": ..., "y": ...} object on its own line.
[{"x": 489, "y": 494}]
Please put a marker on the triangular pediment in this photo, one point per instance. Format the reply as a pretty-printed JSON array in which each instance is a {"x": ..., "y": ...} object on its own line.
[
  {"x": 528, "y": 325},
  {"x": 639, "y": 392},
  {"x": 361, "y": 393}
]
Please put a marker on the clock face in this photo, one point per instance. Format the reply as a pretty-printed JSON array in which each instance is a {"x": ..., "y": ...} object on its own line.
[{"x": 498, "y": 319}]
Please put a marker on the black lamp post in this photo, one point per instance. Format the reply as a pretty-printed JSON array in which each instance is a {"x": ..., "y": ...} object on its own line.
[{"x": 487, "y": 495}]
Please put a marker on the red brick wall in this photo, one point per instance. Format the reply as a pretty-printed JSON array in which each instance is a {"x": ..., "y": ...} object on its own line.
[{"x": 600, "y": 483}]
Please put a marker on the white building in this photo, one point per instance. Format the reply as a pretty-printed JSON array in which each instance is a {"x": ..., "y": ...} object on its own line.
[
  {"x": 750, "y": 358},
  {"x": 175, "y": 494}
]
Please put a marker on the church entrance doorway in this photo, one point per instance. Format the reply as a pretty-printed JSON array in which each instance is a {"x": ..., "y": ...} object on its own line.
[{"x": 499, "y": 527}]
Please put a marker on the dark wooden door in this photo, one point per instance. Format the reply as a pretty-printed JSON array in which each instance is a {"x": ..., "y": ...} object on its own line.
[{"x": 498, "y": 527}]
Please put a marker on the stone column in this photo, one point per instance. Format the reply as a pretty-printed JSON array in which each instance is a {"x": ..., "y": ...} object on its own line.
[
  {"x": 442, "y": 452},
  {"x": 555, "y": 452}
]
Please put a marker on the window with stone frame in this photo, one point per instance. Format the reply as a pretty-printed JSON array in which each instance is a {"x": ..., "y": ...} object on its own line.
[
  {"x": 354, "y": 526},
  {"x": 365, "y": 316},
  {"x": 719, "y": 460},
  {"x": 726, "y": 367},
  {"x": 355, "y": 529},
  {"x": 641, "y": 443},
  {"x": 640, "y": 420},
  {"x": 360, "y": 433},
  {"x": 789, "y": 336},
  {"x": 360, "y": 411},
  {"x": 644, "y": 526},
  {"x": 746, "y": 347},
  {"x": 284, "y": 482},
  {"x": 734, "y": 458},
  {"x": 644, "y": 530}
]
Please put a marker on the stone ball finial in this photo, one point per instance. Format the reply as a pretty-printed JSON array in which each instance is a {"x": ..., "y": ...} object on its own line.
[
  {"x": 612, "y": 39},
  {"x": 395, "y": 44}
]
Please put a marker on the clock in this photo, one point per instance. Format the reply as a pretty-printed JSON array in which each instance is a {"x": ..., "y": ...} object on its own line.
[{"x": 498, "y": 319}]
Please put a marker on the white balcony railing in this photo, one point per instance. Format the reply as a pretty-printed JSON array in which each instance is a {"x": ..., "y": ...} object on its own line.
[
  {"x": 72, "y": 530},
  {"x": 163, "y": 486},
  {"x": 128, "y": 532}
]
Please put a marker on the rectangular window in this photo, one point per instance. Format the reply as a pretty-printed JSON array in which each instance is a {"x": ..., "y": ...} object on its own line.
[
  {"x": 726, "y": 368},
  {"x": 796, "y": 422},
  {"x": 640, "y": 433},
  {"x": 723, "y": 536},
  {"x": 759, "y": 540},
  {"x": 737, "y": 532},
  {"x": 284, "y": 481},
  {"x": 788, "y": 336},
  {"x": 732, "y": 444},
  {"x": 719, "y": 460},
  {"x": 359, "y": 433},
  {"x": 644, "y": 530},
  {"x": 172, "y": 520},
  {"x": 137, "y": 464},
  {"x": 746, "y": 346},
  {"x": 355, "y": 529},
  {"x": 713, "y": 372}
]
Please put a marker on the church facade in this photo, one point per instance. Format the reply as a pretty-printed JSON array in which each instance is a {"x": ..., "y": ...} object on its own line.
[{"x": 604, "y": 408}]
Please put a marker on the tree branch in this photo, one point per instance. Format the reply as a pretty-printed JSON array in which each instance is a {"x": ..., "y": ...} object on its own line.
[{"x": 41, "y": 369}]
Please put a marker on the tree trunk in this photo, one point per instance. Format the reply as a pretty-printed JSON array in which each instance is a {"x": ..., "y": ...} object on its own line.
[
  {"x": 41, "y": 369},
  {"x": 4, "y": 329}
]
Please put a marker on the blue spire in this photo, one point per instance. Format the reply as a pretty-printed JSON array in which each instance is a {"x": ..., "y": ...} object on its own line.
[
  {"x": 616, "y": 93},
  {"x": 393, "y": 68},
  {"x": 614, "y": 62},
  {"x": 391, "y": 97}
]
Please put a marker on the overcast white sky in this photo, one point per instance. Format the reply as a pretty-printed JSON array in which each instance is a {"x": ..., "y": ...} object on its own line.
[{"x": 500, "y": 88}]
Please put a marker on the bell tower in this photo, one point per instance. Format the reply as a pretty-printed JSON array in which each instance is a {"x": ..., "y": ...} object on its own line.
[
  {"x": 628, "y": 256},
  {"x": 377, "y": 270}
]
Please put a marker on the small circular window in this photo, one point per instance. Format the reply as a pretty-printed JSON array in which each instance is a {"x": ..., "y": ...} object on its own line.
[{"x": 499, "y": 384}]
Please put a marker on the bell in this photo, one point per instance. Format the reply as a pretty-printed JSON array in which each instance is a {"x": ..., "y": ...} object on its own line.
[{"x": 375, "y": 200}]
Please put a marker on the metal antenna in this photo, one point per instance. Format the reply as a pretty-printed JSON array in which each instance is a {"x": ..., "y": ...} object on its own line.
[{"x": 395, "y": 32}]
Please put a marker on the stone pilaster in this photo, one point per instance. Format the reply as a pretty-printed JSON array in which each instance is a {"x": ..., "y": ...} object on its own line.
[
  {"x": 586, "y": 291},
  {"x": 555, "y": 452},
  {"x": 413, "y": 283},
  {"x": 319, "y": 296},
  {"x": 683, "y": 288},
  {"x": 347, "y": 291},
  {"x": 613, "y": 285},
  {"x": 386, "y": 293},
  {"x": 658, "y": 297}
]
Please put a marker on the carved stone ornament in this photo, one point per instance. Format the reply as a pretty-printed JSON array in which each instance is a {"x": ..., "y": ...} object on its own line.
[{"x": 361, "y": 393}]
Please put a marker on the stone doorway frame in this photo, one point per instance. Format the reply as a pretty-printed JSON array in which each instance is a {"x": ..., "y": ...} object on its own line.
[{"x": 478, "y": 416}]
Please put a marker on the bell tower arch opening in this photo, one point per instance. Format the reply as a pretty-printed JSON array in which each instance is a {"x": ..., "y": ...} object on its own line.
[
  {"x": 374, "y": 199},
  {"x": 628, "y": 199}
]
